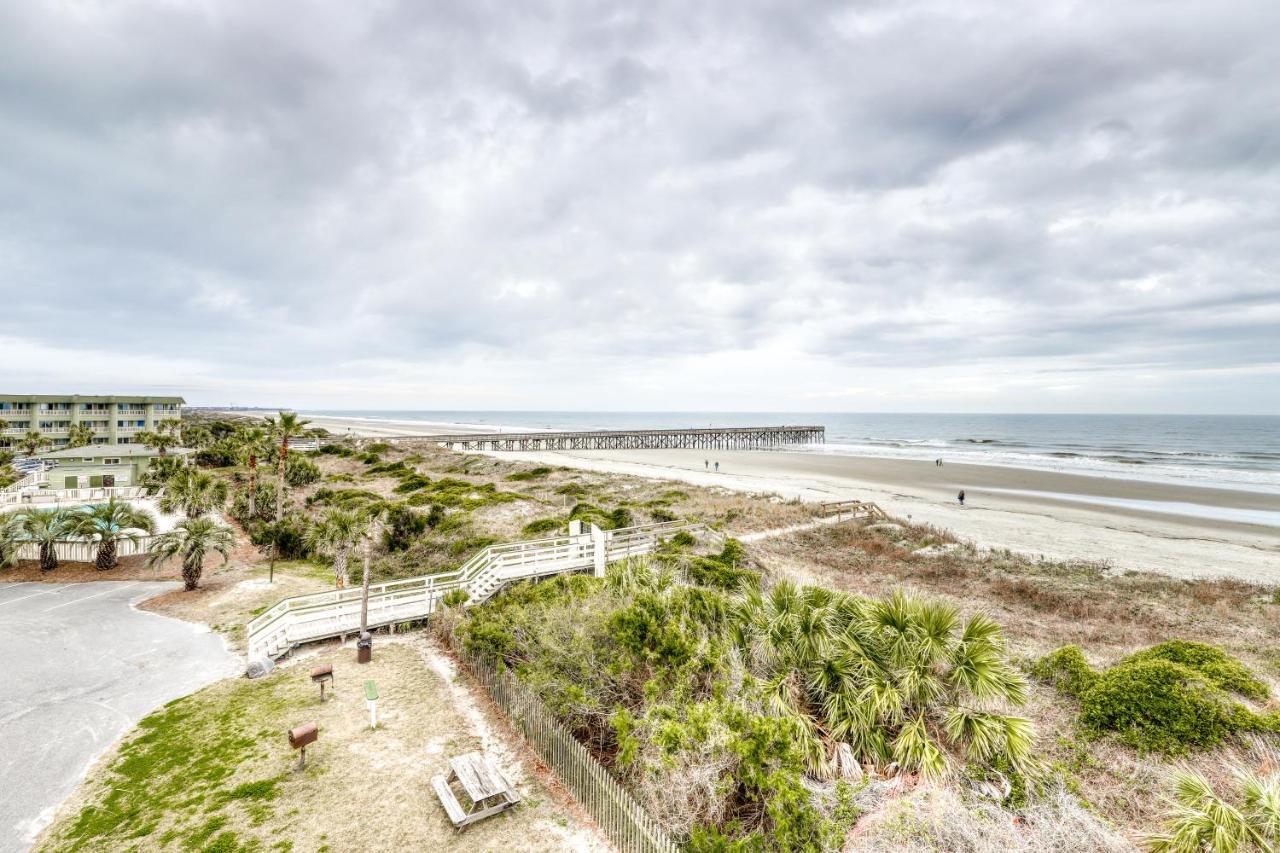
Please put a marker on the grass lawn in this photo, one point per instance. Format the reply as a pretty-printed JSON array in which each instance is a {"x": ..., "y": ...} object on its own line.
[{"x": 213, "y": 771}]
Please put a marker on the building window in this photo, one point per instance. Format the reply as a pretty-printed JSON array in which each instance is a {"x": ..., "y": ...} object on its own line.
[{"x": 109, "y": 461}]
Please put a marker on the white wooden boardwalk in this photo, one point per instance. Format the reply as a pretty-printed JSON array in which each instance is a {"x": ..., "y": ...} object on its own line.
[{"x": 305, "y": 618}]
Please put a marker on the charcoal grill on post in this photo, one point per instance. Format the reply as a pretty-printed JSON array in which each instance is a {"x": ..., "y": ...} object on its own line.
[
  {"x": 320, "y": 675},
  {"x": 300, "y": 738}
]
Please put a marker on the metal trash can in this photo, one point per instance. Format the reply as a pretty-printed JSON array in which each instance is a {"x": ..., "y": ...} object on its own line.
[{"x": 364, "y": 648}]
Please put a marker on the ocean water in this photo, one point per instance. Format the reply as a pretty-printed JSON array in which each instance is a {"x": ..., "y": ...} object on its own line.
[{"x": 1227, "y": 451}]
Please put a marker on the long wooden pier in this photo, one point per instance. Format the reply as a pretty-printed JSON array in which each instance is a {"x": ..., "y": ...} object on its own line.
[{"x": 713, "y": 438}]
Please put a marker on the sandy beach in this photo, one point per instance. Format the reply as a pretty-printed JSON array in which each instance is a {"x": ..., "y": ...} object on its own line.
[{"x": 1179, "y": 530}]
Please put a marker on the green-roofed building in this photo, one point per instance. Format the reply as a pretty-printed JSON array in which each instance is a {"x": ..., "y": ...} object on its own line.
[
  {"x": 102, "y": 465},
  {"x": 114, "y": 420}
]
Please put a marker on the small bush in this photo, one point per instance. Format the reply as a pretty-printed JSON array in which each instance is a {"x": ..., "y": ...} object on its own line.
[
  {"x": 1168, "y": 698},
  {"x": 539, "y": 526},
  {"x": 1157, "y": 705},
  {"x": 1213, "y": 663},
  {"x": 337, "y": 450},
  {"x": 300, "y": 471},
  {"x": 1065, "y": 669},
  {"x": 532, "y": 474}
]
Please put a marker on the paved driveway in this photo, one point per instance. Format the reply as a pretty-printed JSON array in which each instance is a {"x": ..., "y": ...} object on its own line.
[{"x": 80, "y": 666}]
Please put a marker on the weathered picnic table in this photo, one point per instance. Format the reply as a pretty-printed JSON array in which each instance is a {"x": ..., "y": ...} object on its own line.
[{"x": 482, "y": 782}]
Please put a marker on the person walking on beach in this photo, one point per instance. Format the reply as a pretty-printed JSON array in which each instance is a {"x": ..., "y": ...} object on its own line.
[
  {"x": 717, "y": 467},
  {"x": 706, "y": 465},
  {"x": 961, "y": 497}
]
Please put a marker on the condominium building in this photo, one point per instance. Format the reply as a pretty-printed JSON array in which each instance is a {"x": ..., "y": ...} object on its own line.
[{"x": 114, "y": 420}]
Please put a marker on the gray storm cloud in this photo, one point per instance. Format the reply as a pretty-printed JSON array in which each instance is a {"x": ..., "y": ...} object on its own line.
[{"x": 301, "y": 197}]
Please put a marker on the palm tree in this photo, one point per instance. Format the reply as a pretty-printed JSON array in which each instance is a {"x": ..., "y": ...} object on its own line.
[
  {"x": 373, "y": 516},
  {"x": 160, "y": 472},
  {"x": 80, "y": 435},
  {"x": 172, "y": 426},
  {"x": 252, "y": 440},
  {"x": 157, "y": 440},
  {"x": 45, "y": 527},
  {"x": 193, "y": 492},
  {"x": 12, "y": 538},
  {"x": 109, "y": 523},
  {"x": 32, "y": 442},
  {"x": 288, "y": 426},
  {"x": 895, "y": 680},
  {"x": 335, "y": 535},
  {"x": 193, "y": 539}
]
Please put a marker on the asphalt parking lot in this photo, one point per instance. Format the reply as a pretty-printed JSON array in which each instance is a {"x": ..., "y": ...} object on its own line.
[{"x": 81, "y": 665}]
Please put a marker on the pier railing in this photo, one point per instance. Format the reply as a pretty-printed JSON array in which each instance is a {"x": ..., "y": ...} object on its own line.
[{"x": 711, "y": 438}]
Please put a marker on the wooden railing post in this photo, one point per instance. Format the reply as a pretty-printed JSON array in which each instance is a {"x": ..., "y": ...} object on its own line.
[{"x": 601, "y": 550}]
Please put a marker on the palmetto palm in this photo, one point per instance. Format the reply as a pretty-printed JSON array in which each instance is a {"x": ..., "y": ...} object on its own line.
[
  {"x": 1199, "y": 819},
  {"x": 288, "y": 426},
  {"x": 194, "y": 492},
  {"x": 193, "y": 539},
  {"x": 32, "y": 442},
  {"x": 172, "y": 426},
  {"x": 898, "y": 680},
  {"x": 252, "y": 443},
  {"x": 108, "y": 524},
  {"x": 80, "y": 435},
  {"x": 160, "y": 472},
  {"x": 158, "y": 440},
  {"x": 12, "y": 539},
  {"x": 335, "y": 535},
  {"x": 45, "y": 527}
]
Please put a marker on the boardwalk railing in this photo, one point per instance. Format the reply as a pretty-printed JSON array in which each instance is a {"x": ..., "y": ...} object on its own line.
[
  {"x": 851, "y": 509},
  {"x": 617, "y": 813},
  {"x": 714, "y": 438},
  {"x": 304, "y": 618}
]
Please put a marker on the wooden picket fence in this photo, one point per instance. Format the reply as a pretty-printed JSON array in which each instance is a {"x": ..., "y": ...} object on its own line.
[{"x": 623, "y": 819}]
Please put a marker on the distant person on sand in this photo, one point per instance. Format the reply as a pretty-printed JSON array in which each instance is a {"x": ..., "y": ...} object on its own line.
[
  {"x": 717, "y": 467},
  {"x": 706, "y": 465},
  {"x": 938, "y": 462},
  {"x": 961, "y": 497}
]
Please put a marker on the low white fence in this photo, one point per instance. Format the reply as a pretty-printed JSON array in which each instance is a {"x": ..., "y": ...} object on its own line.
[
  {"x": 85, "y": 550},
  {"x": 304, "y": 618},
  {"x": 53, "y": 497}
]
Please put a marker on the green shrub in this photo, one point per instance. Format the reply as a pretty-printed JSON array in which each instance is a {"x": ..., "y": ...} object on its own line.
[
  {"x": 539, "y": 526},
  {"x": 413, "y": 483},
  {"x": 402, "y": 526},
  {"x": 532, "y": 474},
  {"x": 337, "y": 450},
  {"x": 1158, "y": 705},
  {"x": 378, "y": 447},
  {"x": 300, "y": 471},
  {"x": 1219, "y": 668},
  {"x": 455, "y": 597},
  {"x": 344, "y": 498},
  {"x": 1169, "y": 698},
  {"x": 1065, "y": 669}
]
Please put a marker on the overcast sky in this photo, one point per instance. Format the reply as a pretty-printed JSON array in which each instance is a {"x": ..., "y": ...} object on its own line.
[{"x": 904, "y": 206}]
